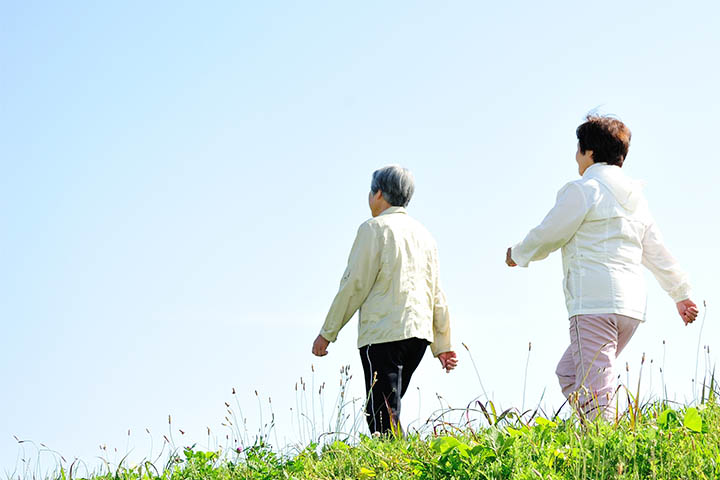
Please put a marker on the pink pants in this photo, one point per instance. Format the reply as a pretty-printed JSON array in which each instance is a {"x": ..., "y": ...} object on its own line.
[{"x": 586, "y": 371}]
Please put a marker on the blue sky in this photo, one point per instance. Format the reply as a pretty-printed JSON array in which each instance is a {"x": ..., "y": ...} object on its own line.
[{"x": 181, "y": 185}]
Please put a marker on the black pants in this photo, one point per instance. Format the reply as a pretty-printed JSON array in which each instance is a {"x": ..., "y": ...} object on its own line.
[{"x": 388, "y": 368}]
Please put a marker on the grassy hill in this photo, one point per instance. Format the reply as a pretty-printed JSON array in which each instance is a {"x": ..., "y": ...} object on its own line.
[{"x": 654, "y": 441}]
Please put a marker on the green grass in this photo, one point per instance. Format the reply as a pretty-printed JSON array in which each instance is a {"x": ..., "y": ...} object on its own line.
[
  {"x": 650, "y": 440},
  {"x": 659, "y": 443}
]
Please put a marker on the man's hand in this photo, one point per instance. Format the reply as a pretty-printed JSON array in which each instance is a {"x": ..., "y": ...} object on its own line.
[
  {"x": 508, "y": 258},
  {"x": 688, "y": 311},
  {"x": 320, "y": 346},
  {"x": 448, "y": 360}
]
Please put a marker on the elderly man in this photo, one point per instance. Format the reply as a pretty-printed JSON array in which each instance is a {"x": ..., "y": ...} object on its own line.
[{"x": 392, "y": 277}]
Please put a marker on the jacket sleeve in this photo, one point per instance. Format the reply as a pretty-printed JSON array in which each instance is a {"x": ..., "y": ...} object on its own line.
[
  {"x": 663, "y": 265},
  {"x": 441, "y": 322},
  {"x": 556, "y": 229},
  {"x": 359, "y": 277}
]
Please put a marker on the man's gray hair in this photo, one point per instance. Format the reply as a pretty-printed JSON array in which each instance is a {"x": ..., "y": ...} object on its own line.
[{"x": 396, "y": 183}]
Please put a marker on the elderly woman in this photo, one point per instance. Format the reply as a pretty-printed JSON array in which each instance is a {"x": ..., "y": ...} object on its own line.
[
  {"x": 606, "y": 232},
  {"x": 392, "y": 277}
]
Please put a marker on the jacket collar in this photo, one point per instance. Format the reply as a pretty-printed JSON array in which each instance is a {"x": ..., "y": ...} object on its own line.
[
  {"x": 390, "y": 210},
  {"x": 593, "y": 170},
  {"x": 625, "y": 190}
]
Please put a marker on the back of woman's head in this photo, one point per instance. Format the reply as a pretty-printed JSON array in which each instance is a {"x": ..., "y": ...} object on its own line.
[{"x": 607, "y": 137}]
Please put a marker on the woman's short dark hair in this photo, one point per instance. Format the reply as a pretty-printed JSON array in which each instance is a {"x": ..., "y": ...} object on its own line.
[
  {"x": 607, "y": 137},
  {"x": 396, "y": 183}
]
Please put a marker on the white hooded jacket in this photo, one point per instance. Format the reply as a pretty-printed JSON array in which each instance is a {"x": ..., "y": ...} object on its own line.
[{"x": 606, "y": 232}]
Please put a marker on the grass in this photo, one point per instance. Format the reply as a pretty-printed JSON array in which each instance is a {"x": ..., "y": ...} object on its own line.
[
  {"x": 660, "y": 442},
  {"x": 654, "y": 439}
]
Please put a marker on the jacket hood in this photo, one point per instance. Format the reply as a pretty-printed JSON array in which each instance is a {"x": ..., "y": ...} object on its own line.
[{"x": 627, "y": 192}]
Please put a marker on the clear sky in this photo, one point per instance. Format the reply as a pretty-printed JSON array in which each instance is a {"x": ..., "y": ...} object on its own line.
[{"x": 181, "y": 183}]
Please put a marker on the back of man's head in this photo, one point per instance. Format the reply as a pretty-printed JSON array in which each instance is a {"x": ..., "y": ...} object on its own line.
[{"x": 396, "y": 183}]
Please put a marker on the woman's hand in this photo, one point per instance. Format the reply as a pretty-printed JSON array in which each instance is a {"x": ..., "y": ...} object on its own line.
[
  {"x": 508, "y": 258},
  {"x": 688, "y": 311}
]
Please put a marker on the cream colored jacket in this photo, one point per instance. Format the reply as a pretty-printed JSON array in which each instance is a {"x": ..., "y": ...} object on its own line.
[
  {"x": 606, "y": 232},
  {"x": 392, "y": 277}
]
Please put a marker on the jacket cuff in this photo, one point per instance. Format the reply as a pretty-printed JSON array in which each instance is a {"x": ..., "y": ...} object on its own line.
[
  {"x": 440, "y": 346},
  {"x": 517, "y": 256},
  {"x": 328, "y": 335},
  {"x": 680, "y": 293}
]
